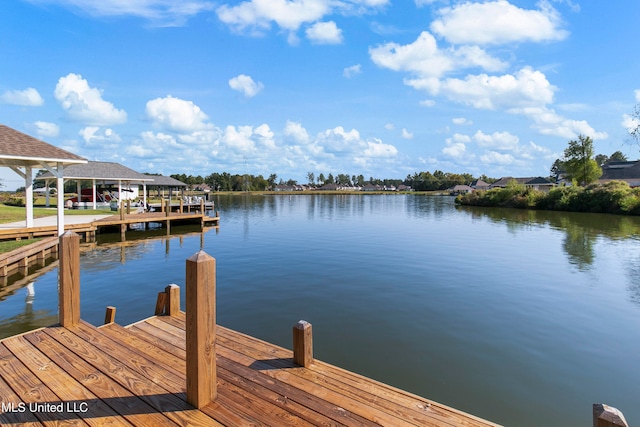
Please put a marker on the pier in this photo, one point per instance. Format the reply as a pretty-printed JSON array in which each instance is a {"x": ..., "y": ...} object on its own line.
[
  {"x": 181, "y": 368},
  {"x": 121, "y": 222}
]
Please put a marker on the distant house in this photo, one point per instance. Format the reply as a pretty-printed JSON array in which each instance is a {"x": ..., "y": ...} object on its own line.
[
  {"x": 371, "y": 187},
  {"x": 284, "y": 187},
  {"x": 537, "y": 183},
  {"x": 479, "y": 184},
  {"x": 403, "y": 187},
  {"x": 461, "y": 189},
  {"x": 628, "y": 171}
]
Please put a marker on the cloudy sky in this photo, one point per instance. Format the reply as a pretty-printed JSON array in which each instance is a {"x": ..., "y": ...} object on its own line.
[{"x": 381, "y": 88}]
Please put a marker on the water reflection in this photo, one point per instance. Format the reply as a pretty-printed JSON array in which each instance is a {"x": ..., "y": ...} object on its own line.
[{"x": 581, "y": 230}]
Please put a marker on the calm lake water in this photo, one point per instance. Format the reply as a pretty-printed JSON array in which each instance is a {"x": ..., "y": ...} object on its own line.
[{"x": 521, "y": 317}]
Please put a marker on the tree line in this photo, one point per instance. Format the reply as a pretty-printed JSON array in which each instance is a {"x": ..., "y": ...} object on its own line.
[{"x": 419, "y": 181}]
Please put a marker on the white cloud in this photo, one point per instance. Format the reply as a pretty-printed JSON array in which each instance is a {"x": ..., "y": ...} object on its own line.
[
  {"x": 46, "y": 129},
  {"x": 525, "y": 88},
  {"x": 324, "y": 33},
  {"x": 28, "y": 97},
  {"x": 257, "y": 15},
  {"x": 158, "y": 12},
  {"x": 92, "y": 135},
  {"x": 406, "y": 134},
  {"x": 630, "y": 123},
  {"x": 428, "y": 63},
  {"x": 377, "y": 148},
  {"x": 461, "y": 121},
  {"x": 85, "y": 104},
  {"x": 389, "y": 126},
  {"x": 428, "y": 103},
  {"x": 493, "y": 157},
  {"x": 498, "y": 22},
  {"x": 548, "y": 122},
  {"x": 177, "y": 115},
  {"x": 456, "y": 146},
  {"x": 296, "y": 132},
  {"x": 497, "y": 140},
  {"x": 637, "y": 93},
  {"x": 351, "y": 71},
  {"x": 245, "y": 84}
]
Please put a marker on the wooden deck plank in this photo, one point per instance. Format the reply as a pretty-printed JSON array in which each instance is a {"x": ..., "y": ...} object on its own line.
[
  {"x": 267, "y": 400},
  {"x": 72, "y": 393},
  {"x": 111, "y": 360},
  {"x": 345, "y": 404},
  {"x": 31, "y": 390},
  {"x": 402, "y": 404},
  {"x": 137, "y": 376},
  {"x": 123, "y": 401},
  {"x": 12, "y": 415}
]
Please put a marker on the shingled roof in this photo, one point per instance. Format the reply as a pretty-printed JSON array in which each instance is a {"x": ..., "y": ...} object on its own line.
[
  {"x": 102, "y": 171},
  {"x": 20, "y": 149}
]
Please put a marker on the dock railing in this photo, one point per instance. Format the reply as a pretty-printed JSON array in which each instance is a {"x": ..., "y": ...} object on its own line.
[{"x": 201, "y": 375}]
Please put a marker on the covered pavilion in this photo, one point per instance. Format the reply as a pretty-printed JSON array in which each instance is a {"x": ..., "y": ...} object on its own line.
[
  {"x": 105, "y": 172},
  {"x": 22, "y": 153}
]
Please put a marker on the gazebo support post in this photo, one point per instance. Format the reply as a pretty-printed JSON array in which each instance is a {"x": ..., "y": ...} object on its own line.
[
  {"x": 60, "y": 208},
  {"x": 28, "y": 189},
  {"x": 93, "y": 193}
]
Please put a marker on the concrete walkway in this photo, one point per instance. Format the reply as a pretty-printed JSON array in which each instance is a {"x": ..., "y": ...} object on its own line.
[{"x": 53, "y": 221}]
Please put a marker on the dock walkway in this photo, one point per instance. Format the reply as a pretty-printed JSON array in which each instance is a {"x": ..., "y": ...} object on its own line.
[
  {"x": 180, "y": 368},
  {"x": 135, "y": 375}
]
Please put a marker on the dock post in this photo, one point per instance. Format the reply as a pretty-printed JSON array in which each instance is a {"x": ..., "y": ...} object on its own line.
[
  {"x": 607, "y": 416},
  {"x": 167, "y": 211},
  {"x": 69, "y": 279},
  {"x": 173, "y": 300},
  {"x": 202, "y": 206},
  {"x": 122, "y": 210},
  {"x": 181, "y": 205},
  {"x": 303, "y": 344},
  {"x": 201, "y": 329},
  {"x": 110, "y": 315}
]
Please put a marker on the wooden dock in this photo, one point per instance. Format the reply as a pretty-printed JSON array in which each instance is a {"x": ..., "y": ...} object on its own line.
[
  {"x": 179, "y": 368},
  {"x": 121, "y": 222}
]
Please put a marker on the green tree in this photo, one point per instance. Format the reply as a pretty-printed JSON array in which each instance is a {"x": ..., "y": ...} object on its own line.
[
  {"x": 579, "y": 162},
  {"x": 618, "y": 156},
  {"x": 311, "y": 177}
]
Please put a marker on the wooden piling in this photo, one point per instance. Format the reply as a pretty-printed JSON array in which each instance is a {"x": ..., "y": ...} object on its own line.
[
  {"x": 303, "y": 344},
  {"x": 173, "y": 300},
  {"x": 167, "y": 210},
  {"x": 201, "y": 329},
  {"x": 69, "y": 279},
  {"x": 607, "y": 416},
  {"x": 161, "y": 303},
  {"x": 122, "y": 210},
  {"x": 110, "y": 315},
  {"x": 181, "y": 205}
]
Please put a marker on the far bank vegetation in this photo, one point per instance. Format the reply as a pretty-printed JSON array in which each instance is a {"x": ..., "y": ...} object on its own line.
[{"x": 614, "y": 197}]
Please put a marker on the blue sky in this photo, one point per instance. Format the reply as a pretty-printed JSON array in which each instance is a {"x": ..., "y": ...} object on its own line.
[{"x": 375, "y": 87}]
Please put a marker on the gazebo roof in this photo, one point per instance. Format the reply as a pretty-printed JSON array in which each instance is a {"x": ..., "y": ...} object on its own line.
[
  {"x": 103, "y": 171},
  {"x": 21, "y": 150},
  {"x": 165, "y": 181}
]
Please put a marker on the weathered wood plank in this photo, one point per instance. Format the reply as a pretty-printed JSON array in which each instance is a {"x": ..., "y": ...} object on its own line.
[
  {"x": 13, "y": 416},
  {"x": 123, "y": 401},
  {"x": 141, "y": 377},
  {"x": 162, "y": 388},
  {"x": 31, "y": 390},
  {"x": 74, "y": 396}
]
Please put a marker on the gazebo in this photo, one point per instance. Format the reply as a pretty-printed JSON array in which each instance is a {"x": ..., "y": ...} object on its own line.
[
  {"x": 22, "y": 153},
  {"x": 105, "y": 172}
]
